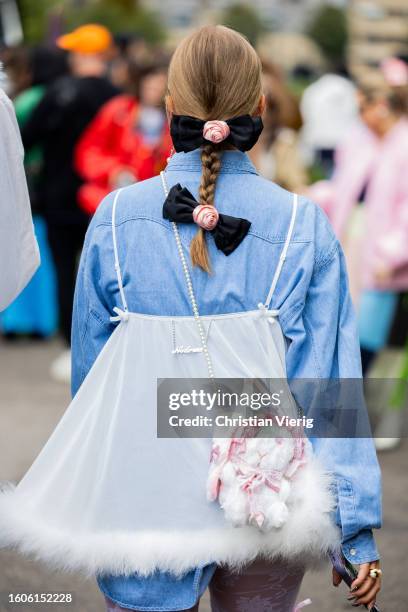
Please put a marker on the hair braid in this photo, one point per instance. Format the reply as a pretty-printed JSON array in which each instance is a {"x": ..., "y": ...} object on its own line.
[{"x": 211, "y": 164}]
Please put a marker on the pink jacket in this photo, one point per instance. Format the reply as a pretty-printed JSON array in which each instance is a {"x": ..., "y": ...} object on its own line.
[{"x": 382, "y": 166}]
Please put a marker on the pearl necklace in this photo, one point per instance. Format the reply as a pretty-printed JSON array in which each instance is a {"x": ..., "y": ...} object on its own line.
[{"x": 190, "y": 289}]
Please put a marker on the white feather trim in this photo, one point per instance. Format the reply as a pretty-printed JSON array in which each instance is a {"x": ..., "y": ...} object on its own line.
[{"x": 307, "y": 535}]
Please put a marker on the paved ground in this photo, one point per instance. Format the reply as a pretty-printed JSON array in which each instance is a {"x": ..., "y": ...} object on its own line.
[{"x": 31, "y": 405}]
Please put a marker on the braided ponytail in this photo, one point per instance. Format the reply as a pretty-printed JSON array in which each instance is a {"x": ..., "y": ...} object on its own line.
[{"x": 211, "y": 164}]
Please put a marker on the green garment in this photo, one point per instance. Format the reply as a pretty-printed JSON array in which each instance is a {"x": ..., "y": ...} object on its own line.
[{"x": 24, "y": 105}]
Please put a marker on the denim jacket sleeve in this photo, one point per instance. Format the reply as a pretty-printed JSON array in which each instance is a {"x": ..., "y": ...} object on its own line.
[
  {"x": 91, "y": 325},
  {"x": 323, "y": 343}
]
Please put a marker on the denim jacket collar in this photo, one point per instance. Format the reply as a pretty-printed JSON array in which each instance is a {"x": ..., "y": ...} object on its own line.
[{"x": 233, "y": 162}]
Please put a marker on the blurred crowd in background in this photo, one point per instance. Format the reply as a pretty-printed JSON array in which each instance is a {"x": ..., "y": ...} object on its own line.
[{"x": 90, "y": 106}]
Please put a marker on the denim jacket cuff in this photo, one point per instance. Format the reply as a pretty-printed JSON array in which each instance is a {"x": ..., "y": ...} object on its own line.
[{"x": 361, "y": 548}]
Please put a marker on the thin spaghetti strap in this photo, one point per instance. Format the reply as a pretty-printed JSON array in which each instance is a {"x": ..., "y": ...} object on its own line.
[
  {"x": 116, "y": 255},
  {"x": 284, "y": 252}
]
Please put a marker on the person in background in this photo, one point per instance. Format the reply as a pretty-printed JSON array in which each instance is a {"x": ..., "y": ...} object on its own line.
[
  {"x": 56, "y": 124},
  {"x": 119, "y": 66},
  {"x": 16, "y": 70},
  {"x": 35, "y": 310},
  {"x": 276, "y": 154},
  {"x": 130, "y": 49},
  {"x": 127, "y": 141},
  {"x": 328, "y": 108},
  {"x": 19, "y": 253},
  {"x": 372, "y": 168}
]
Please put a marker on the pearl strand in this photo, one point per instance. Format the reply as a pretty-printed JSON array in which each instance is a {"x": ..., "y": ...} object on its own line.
[{"x": 190, "y": 289}]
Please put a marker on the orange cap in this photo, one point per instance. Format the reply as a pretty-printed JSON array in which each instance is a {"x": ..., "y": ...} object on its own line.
[{"x": 90, "y": 38}]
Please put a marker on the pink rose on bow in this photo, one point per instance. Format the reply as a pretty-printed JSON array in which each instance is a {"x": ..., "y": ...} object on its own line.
[
  {"x": 206, "y": 216},
  {"x": 216, "y": 131}
]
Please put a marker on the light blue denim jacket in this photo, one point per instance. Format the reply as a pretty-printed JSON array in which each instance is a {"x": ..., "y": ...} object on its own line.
[{"x": 312, "y": 296}]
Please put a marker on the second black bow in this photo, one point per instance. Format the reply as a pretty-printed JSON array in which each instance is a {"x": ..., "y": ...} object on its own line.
[{"x": 228, "y": 232}]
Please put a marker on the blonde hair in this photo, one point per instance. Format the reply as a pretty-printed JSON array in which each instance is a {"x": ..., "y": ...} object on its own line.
[{"x": 214, "y": 74}]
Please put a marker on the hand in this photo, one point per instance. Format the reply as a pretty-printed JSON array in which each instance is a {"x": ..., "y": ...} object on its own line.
[{"x": 363, "y": 589}]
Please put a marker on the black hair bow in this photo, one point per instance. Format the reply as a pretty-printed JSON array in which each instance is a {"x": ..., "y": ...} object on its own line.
[
  {"x": 187, "y": 132},
  {"x": 229, "y": 231}
]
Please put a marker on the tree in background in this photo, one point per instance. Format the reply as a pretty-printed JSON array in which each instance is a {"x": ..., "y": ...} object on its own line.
[
  {"x": 117, "y": 15},
  {"x": 329, "y": 30},
  {"x": 35, "y": 18},
  {"x": 243, "y": 18}
]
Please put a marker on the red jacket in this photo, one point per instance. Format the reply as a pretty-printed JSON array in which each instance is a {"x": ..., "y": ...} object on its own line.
[{"x": 111, "y": 144}]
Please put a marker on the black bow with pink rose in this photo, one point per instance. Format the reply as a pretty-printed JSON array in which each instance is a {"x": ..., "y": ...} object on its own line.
[
  {"x": 189, "y": 133},
  {"x": 228, "y": 232}
]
